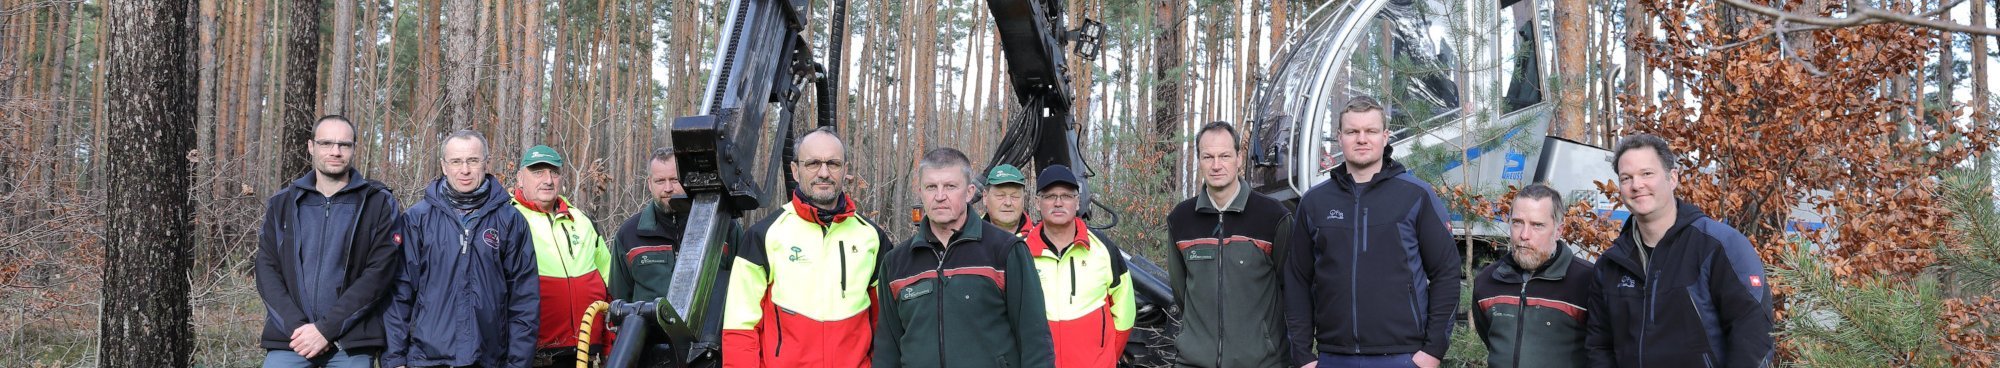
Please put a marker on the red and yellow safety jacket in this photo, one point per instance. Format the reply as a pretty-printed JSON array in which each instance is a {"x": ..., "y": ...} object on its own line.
[
  {"x": 570, "y": 259},
  {"x": 801, "y": 291},
  {"x": 1088, "y": 294}
]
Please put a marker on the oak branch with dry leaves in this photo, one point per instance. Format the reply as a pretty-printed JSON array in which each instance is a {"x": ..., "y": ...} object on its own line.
[{"x": 1832, "y": 130}]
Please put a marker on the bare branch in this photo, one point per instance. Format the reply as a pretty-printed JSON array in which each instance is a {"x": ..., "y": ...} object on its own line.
[{"x": 1865, "y": 15}]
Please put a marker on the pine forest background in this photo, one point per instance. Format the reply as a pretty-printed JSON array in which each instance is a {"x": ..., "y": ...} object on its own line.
[{"x": 601, "y": 80}]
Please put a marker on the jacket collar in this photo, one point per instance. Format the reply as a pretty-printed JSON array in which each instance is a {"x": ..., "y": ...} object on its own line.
[
  {"x": 1205, "y": 205},
  {"x": 653, "y": 222},
  {"x": 843, "y": 208},
  {"x": 561, "y": 206},
  {"x": 309, "y": 182},
  {"x": 1627, "y": 244},
  {"x": 972, "y": 231},
  {"x": 1039, "y": 243},
  {"x": 1020, "y": 227},
  {"x": 1390, "y": 168},
  {"x": 495, "y": 197},
  {"x": 1558, "y": 265}
]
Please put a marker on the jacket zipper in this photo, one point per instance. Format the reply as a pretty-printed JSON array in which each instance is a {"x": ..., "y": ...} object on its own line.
[
  {"x": 940, "y": 298},
  {"x": 569, "y": 283},
  {"x": 842, "y": 247},
  {"x": 1221, "y": 292},
  {"x": 1652, "y": 287},
  {"x": 1106, "y": 312},
  {"x": 1696, "y": 307},
  {"x": 1521, "y": 321},
  {"x": 1354, "y": 272},
  {"x": 1072, "y": 277}
]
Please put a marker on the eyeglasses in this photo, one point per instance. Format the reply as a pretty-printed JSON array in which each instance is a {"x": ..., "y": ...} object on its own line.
[
  {"x": 1065, "y": 197},
  {"x": 342, "y": 145},
  {"x": 464, "y": 162},
  {"x": 817, "y": 165}
]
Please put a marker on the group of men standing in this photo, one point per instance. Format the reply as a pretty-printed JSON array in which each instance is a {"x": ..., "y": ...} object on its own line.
[{"x": 1362, "y": 272}]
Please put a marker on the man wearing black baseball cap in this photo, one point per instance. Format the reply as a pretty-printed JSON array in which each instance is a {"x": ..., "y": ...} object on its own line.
[{"x": 1089, "y": 295}]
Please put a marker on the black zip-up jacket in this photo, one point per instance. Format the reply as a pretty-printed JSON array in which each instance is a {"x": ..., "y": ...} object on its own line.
[
  {"x": 373, "y": 258},
  {"x": 977, "y": 303},
  {"x": 1703, "y": 302},
  {"x": 1534, "y": 318},
  {"x": 1375, "y": 271},
  {"x": 1225, "y": 271}
]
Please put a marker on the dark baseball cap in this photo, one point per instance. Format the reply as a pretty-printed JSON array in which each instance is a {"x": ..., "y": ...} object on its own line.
[{"x": 1055, "y": 174}]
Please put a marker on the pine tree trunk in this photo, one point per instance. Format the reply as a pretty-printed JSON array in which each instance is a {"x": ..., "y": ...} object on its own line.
[
  {"x": 531, "y": 76},
  {"x": 1946, "y": 79},
  {"x": 460, "y": 18},
  {"x": 301, "y": 88},
  {"x": 1167, "y": 97},
  {"x": 144, "y": 321},
  {"x": 1572, "y": 39},
  {"x": 1981, "y": 92},
  {"x": 254, "y": 98},
  {"x": 343, "y": 50},
  {"x": 205, "y": 116}
]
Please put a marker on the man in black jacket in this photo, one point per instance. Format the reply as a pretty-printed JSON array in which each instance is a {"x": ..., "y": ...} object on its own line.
[
  {"x": 1224, "y": 268},
  {"x": 1531, "y": 304},
  {"x": 1375, "y": 277},
  {"x": 1677, "y": 288},
  {"x": 325, "y": 259}
]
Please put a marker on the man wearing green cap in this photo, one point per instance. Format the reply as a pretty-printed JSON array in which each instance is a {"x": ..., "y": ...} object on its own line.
[
  {"x": 569, "y": 256},
  {"x": 1006, "y": 199}
]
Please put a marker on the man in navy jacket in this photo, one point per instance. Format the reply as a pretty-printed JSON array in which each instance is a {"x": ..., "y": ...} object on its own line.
[
  {"x": 325, "y": 258},
  {"x": 1677, "y": 288},
  {"x": 1375, "y": 279},
  {"x": 468, "y": 295}
]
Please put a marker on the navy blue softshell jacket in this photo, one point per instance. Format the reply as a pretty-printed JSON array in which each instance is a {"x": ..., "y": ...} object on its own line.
[
  {"x": 1374, "y": 269},
  {"x": 1703, "y": 302},
  {"x": 468, "y": 294}
]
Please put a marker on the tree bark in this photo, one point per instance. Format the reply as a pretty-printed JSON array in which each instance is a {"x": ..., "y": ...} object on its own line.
[
  {"x": 461, "y": 16},
  {"x": 1982, "y": 109},
  {"x": 531, "y": 70},
  {"x": 205, "y": 121},
  {"x": 254, "y": 99},
  {"x": 1946, "y": 79},
  {"x": 1167, "y": 98},
  {"x": 144, "y": 322},
  {"x": 1572, "y": 37},
  {"x": 301, "y": 87},
  {"x": 343, "y": 51}
]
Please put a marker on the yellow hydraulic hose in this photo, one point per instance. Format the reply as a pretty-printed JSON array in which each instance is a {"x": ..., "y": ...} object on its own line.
[{"x": 583, "y": 333}]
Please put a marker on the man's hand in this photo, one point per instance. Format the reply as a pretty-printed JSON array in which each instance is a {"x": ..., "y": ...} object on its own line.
[
  {"x": 1425, "y": 360},
  {"x": 307, "y": 341},
  {"x": 1311, "y": 364}
]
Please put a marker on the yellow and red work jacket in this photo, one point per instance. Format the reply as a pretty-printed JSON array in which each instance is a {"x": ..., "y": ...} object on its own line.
[
  {"x": 801, "y": 291},
  {"x": 570, "y": 259},
  {"x": 1088, "y": 295}
]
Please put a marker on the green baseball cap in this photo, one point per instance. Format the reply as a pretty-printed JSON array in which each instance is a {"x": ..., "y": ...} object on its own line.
[
  {"x": 1005, "y": 174},
  {"x": 541, "y": 154}
]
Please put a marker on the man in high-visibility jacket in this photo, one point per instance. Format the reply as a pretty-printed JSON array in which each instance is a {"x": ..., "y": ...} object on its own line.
[
  {"x": 570, "y": 257},
  {"x": 802, "y": 284},
  {"x": 1088, "y": 294}
]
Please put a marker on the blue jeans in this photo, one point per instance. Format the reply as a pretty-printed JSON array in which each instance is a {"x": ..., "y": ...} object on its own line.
[
  {"x": 331, "y": 359},
  {"x": 1367, "y": 361}
]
